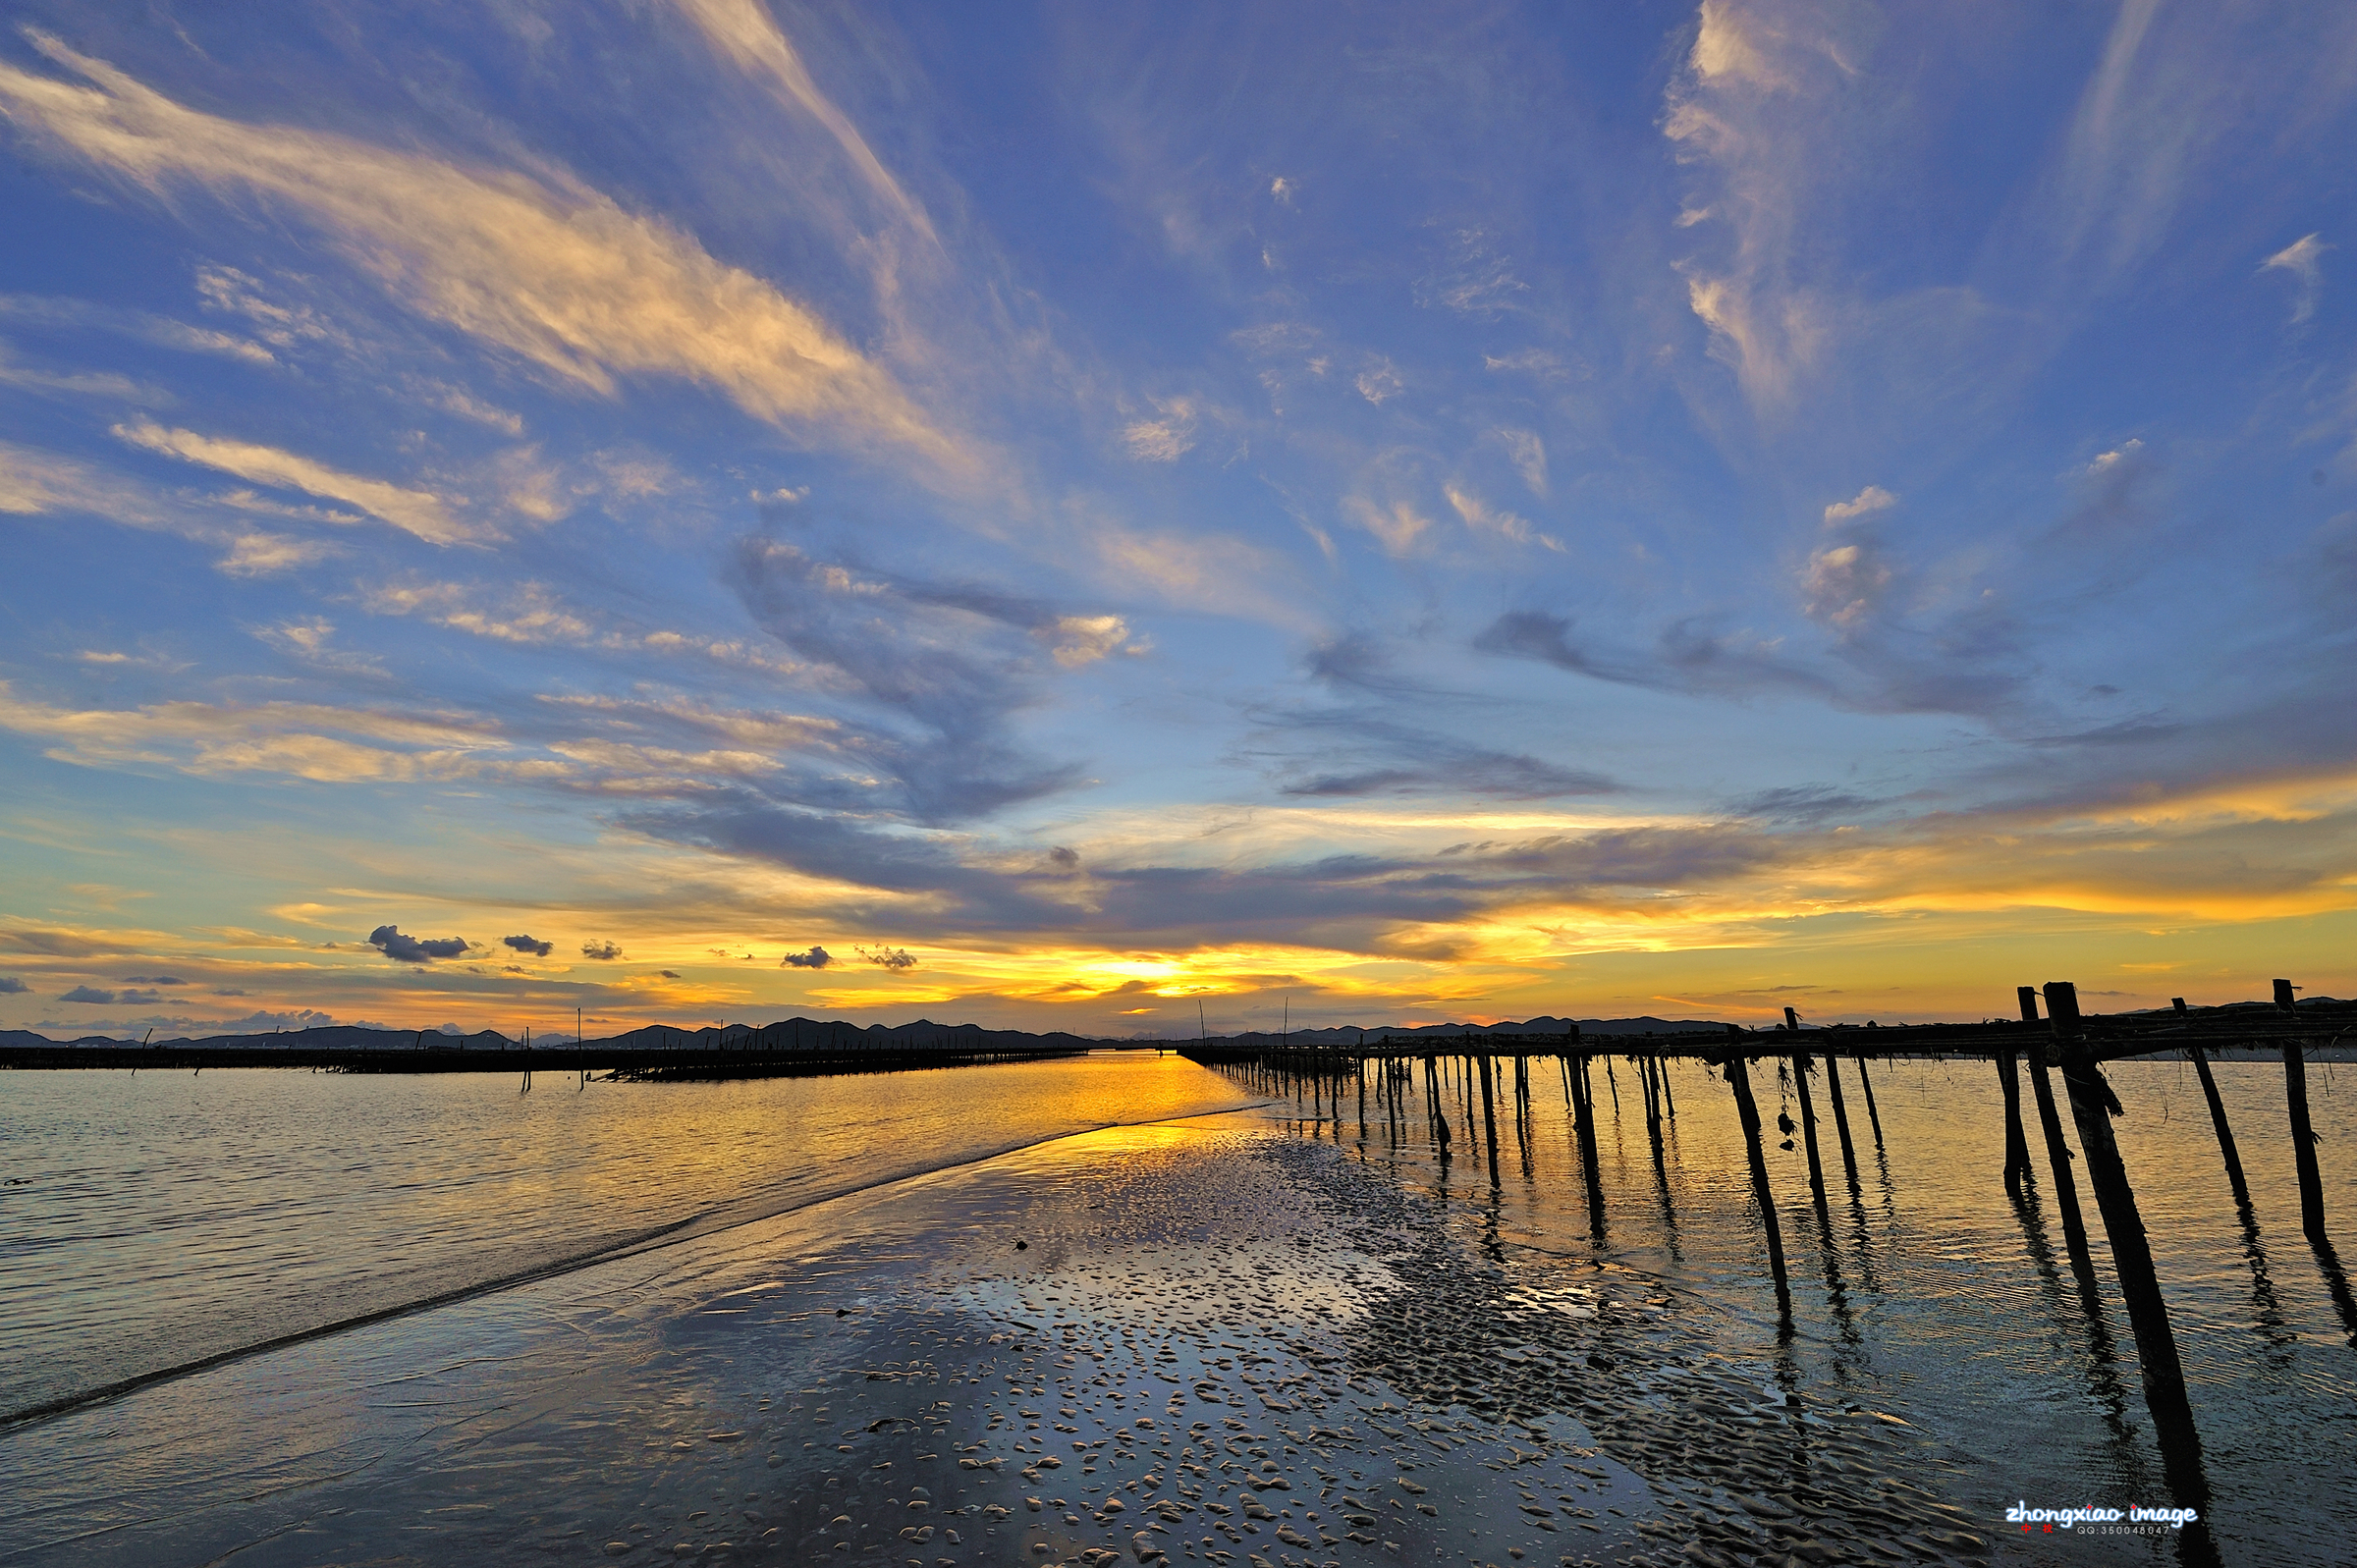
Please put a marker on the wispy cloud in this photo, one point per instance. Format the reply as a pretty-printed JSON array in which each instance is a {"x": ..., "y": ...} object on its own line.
[
  {"x": 1165, "y": 439},
  {"x": 749, "y": 37},
  {"x": 418, "y": 512},
  {"x": 545, "y": 268},
  {"x": 955, "y": 661},
  {"x": 163, "y": 331},
  {"x": 2304, "y": 260},
  {"x": 33, "y": 482},
  {"x": 1527, "y": 452},
  {"x": 1483, "y": 518},
  {"x": 1395, "y": 525}
]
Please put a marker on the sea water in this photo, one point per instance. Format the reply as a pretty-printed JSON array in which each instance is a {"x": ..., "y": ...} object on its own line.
[
  {"x": 154, "y": 1219},
  {"x": 1923, "y": 1295}
]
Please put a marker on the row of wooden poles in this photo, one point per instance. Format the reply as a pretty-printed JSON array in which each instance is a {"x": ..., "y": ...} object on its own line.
[{"x": 2066, "y": 1049}]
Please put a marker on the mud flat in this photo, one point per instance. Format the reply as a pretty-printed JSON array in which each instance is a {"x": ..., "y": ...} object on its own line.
[{"x": 1219, "y": 1340}]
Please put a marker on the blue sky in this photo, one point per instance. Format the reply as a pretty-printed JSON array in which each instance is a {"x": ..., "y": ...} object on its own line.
[{"x": 1084, "y": 516}]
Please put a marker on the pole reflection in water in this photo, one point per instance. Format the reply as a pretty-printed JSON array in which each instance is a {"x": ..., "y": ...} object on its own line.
[
  {"x": 1953, "y": 1311},
  {"x": 1943, "y": 1363}
]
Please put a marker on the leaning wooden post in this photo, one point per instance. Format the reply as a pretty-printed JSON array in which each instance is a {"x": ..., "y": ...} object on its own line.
[
  {"x": 1738, "y": 1078},
  {"x": 2093, "y": 1105},
  {"x": 2017, "y": 1148},
  {"x": 1872, "y": 1118},
  {"x": 2058, "y": 1153},
  {"x": 1808, "y": 1131},
  {"x": 1652, "y": 1070},
  {"x": 2303, "y": 1136},
  {"x": 2217, "y": 1118},
  {"x": 1662, "y": 1075},
  {"x": 1832, "y": 1087}
]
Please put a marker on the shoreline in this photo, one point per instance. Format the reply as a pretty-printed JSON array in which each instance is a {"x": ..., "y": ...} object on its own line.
[
  {"x": 1220, "y": 1341},
  {"x": 716, "y": 1222},
  {"x": 1257, "y": 1332}
]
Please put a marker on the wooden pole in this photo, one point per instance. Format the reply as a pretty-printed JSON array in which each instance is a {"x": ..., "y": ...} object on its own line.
[
  {"x": 1662, "y": 1076},
  {"x": 2017, "y": 1148},
  {"x": 2303, "y": 1136},
  {"x": 2217, "y": 1118},
  {"x": 2058, "y": 1153},
  {"x": 1808, "y": 1132},
  {"x": 2093, "y": 1105},
  {"x": 1584, "y": 1122},
  {"x": 1652, "y": 1068},
  {"x": 1833, "y": 1084},
  {"x": 1432, "y": 1104},
  {"x": 1739, "y": 1079},
  {"x": 1872, "y": 1116},
  {"x": 1832, "y": 1089},
  {"x": 1489, "y": 1118}
]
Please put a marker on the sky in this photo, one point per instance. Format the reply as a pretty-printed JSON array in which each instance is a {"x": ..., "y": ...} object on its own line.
[{"x": 1133, "y": 519}]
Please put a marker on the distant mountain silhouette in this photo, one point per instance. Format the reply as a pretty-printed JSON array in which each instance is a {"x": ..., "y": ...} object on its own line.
[{"x": 813, "y": 1034}]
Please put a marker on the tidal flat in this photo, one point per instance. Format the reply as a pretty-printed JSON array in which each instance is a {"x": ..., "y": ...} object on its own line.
[{"x": 1259, "y": 1337}]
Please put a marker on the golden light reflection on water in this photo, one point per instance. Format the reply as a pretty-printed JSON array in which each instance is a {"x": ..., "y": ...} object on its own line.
[
  {"x": 169, "y": 1217},
  {"x": 1925, "y": 1295}
]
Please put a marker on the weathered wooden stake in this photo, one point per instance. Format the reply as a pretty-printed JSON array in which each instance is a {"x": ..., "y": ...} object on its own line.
[
  {"x": 1488, "y": 1119},
  {"x": 1653, "y": 1114},
  {"x": 2217, "y": 1118},
  {"x": 1583, "y": 1125},
  {"x": 2058, "y": 1153},
  {"x": 2017, "y": 1148},
  {"x": 1738, "y": 1078},
  {"x": 2303, "y": 1135},
  {"x": 1432, "y": 1104},
  {"x": 1833, "y": 1088},
  {"x": 1808, "y": 1132},
  {"x": 2092, "y": 1106},
  {"x": 1669, "y": 1100},
  {"x": 1867, "y": 1084}
]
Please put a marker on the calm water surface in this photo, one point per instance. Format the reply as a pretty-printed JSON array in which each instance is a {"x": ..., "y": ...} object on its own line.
[
  {"x": 160, "y": 1218},
  {"x": 156, "y": 1218},
  {"x": 1928, "y": 1294}
]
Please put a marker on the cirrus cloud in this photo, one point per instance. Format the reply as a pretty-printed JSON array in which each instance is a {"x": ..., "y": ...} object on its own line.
[{"x": 547, "y": 268}]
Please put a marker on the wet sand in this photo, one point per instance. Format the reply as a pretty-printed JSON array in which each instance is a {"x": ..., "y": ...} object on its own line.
[{"x": 1216, "y": 1340}]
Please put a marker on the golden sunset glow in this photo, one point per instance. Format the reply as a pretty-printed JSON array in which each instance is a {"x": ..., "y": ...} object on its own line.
[{"x": 460, "y": 581}]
